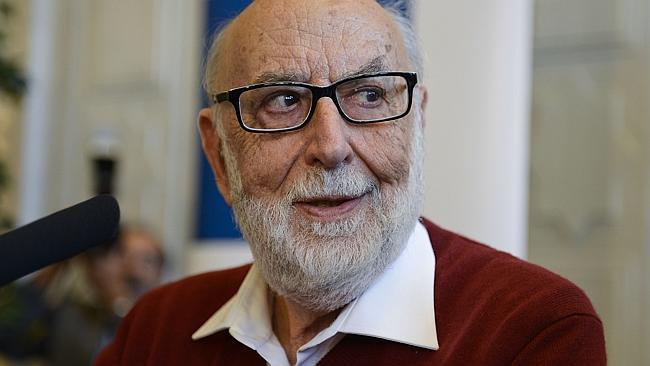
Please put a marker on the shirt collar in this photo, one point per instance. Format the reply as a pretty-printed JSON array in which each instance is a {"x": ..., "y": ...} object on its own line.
[
  {"x": 246, "y": 314},
  {"x": 398, "y": 306}
]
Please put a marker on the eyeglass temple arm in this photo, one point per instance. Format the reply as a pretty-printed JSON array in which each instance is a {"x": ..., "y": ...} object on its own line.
[{"x": 221, "y": 97}]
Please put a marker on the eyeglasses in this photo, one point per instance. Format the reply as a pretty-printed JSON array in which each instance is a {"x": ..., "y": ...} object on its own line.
[{"x": 288, "y": 106}]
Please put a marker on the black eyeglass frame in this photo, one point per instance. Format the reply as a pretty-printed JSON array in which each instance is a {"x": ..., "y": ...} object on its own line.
[{"x": 317, "y": 92}]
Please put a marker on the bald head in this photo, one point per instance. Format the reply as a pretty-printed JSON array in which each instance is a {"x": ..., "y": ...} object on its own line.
[{"x": 299, "y": 31}]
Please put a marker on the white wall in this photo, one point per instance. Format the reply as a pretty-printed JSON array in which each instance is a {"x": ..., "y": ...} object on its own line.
[
  {"x": 478, "y": 62},
  {"x": 123, "y": 69}
]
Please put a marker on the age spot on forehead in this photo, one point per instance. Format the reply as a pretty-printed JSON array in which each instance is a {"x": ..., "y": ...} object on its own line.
[{"x": 388, "y": 47}]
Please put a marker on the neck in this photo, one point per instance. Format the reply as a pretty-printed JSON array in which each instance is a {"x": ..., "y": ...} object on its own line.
[{"x": 295, "y": 325}]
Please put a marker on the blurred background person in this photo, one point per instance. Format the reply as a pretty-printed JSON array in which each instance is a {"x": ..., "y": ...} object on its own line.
[
  {"x": 69, "y": 311},
  {"x": 95, "y": 301},
  {"x": 142, "y": 258}
]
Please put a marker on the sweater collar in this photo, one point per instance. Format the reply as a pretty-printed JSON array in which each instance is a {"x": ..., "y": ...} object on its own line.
[{"x": 398, "y": 306}]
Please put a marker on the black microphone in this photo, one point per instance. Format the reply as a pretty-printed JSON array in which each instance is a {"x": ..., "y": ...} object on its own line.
[{"x": 58, "y": 236}]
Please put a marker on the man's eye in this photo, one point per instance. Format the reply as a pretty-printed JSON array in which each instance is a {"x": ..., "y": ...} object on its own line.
[
  {"x": 281, "y": 102},
  {"x": 368, "y": 96}
]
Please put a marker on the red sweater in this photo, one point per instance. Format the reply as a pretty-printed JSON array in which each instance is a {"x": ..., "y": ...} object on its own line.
[{"x": 491, "y": 309}]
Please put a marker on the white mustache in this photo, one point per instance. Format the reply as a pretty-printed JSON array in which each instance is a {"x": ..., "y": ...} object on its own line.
[{"x": 322, "y": 183}]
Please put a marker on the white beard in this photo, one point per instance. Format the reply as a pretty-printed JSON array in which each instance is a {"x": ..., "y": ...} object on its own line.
[{"x": 325, "y": 265}]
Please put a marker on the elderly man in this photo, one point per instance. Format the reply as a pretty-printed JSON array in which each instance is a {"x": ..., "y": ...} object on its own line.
[{"x": 315, "y": 139}]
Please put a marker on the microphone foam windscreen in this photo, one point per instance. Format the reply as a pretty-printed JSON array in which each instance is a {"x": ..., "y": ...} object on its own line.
[{"x": 58, "y": 236}]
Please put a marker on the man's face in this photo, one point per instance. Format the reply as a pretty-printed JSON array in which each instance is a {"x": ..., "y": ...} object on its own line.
[
  {"x": 332, "y": 194},
  {"x": 142, "y": 256}
]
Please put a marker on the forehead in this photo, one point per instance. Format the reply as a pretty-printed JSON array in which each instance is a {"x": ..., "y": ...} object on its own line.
[
  {"x": 138, "y": 239},
  {"x": 316, "y": 41}
]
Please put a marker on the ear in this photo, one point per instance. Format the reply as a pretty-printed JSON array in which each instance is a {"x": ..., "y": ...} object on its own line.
[
  {"x": 212, "y": 150},
  {"x": 424, "y": 99}
]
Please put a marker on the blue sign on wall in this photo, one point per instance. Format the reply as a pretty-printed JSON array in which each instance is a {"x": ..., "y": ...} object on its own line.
[{"x": 214, "y": 218}]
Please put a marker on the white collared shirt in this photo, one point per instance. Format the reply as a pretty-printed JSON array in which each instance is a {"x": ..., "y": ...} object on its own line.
[{"x": 398, "y": 307}]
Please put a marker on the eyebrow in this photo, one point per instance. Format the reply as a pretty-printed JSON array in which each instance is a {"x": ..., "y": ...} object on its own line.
[
  {"x": 272, "y": 77},
  {"x": 375, "y": 65}
]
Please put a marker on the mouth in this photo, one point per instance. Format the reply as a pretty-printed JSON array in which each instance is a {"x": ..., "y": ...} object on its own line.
[{"x": 327, "y": 208}]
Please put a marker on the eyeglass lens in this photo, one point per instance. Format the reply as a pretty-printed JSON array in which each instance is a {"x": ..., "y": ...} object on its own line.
[{"x": 367, "y": 99}]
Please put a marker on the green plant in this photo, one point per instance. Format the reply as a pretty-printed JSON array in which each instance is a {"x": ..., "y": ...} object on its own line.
[
  {"x": 12, "y": 81},
  {"x": 13, "y": 85}
]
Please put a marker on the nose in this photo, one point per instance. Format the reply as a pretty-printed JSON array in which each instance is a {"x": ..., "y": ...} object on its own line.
[{"x": 328, "y": 137}]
